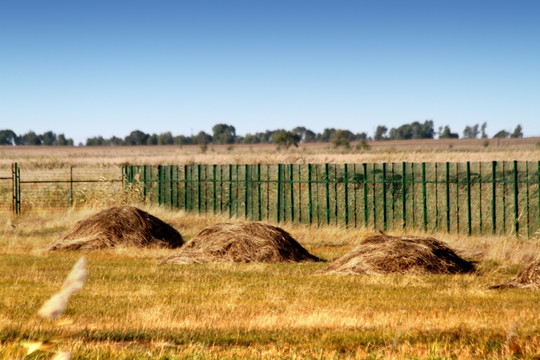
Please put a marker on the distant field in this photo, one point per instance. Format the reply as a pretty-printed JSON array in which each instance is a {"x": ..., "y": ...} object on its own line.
[{"x": 457, "y": 150}]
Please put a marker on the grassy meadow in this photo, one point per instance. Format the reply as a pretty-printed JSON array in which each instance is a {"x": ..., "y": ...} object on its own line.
[{"x": 133, "y": 308}]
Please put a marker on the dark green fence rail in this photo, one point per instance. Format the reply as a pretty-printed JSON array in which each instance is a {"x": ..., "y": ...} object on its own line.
[{"x": 468, "y": 198}]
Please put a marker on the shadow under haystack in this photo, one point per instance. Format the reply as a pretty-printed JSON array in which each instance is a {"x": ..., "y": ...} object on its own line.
[
  {"x": 241, "y": 243},
  {"x": 385, "y": 254},
  {"x": 528, "y": 278},
  {"x": 122, "y": 226}
]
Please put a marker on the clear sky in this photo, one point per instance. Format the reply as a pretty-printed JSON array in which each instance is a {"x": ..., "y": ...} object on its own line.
[{"x": 108, "y": 67}]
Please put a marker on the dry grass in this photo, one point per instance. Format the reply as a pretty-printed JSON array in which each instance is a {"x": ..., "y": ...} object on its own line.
[
  {"x": 133, "y": 308},
  {"x": 384, "y": 254},
  {"x": 120, "y": 226},
  {"x": 528, "y": 278},
  {"x": 241, "y": 243}
]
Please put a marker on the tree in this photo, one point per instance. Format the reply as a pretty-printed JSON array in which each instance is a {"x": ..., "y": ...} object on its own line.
[
  {"x": 285, "y": 138},
  {"x": 31, "y": 138},
  {"x": 152, "y": 140},
  {"x": 48, "y": 138},
  {"x": 8, "y": 137},
  {"x": 446, "y": 133},
  {"x": 326, "y": 135},
  {"x": 223, "y": 134},
  {"x": 165, "y": 138},
  {"x": 95, "y": 141},
  {"x": 501, "y": 134},
  {"x": 300, "y": 131},
  {"x": 183, "y": 140},
  {"x": 203, "y": 138},
  {"x": 518, "y": 133},
  {"x": 251, "y": 139},
  {"x": 483, "y": 130},
  {"x": 342, "y": 138},
  {"x": 61, "y": 140},
  {"x": 471, "y": 132},
  {"x": 360, "y": 136},
  {"x": 136, "y": 137},
  {"x": 115, "y": 141},
  {"x": 309, "y": 136},
  {"x": 380, "y": 133}
]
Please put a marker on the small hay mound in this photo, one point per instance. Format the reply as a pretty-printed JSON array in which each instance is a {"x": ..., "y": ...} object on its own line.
[
  {"x": 528, "y": 278},
  {"x": 384, "y": 254},
  {"x": 125, "y": 226},
  {"x": 241, "y": 243}
]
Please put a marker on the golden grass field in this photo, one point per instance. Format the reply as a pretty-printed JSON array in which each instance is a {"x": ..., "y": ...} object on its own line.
[{"x": 133, "y": 308}]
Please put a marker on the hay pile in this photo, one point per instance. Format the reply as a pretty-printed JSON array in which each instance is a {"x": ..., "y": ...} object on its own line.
[
  {"x": 241, "y": 243},
  {"x": 384, "y": 254},
  {"x": 528, "y": 278},
  {"x": 124, "y": 226}
]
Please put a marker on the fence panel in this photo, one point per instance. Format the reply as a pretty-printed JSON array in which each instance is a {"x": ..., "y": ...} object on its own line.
[{"x": 465, "y": 198}]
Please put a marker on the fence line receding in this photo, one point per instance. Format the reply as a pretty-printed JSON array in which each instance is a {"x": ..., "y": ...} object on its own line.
[{"x": 469, "y": 198}]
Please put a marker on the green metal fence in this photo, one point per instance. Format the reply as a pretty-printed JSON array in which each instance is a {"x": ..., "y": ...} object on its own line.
[{"x": 470, "y": 198}]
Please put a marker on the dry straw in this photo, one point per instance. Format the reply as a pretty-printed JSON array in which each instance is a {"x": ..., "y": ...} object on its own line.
[
  {"x": 55, "y": 306},
  {"x": 125, "y": 226},
  {"x": 383, "y": 254},
  {"x": 528, "y": 278},
  {"x": 74, "y": 282},
  {"x": 241, "y": 243}
]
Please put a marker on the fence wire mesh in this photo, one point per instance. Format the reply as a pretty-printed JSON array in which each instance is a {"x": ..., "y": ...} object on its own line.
[{"x": 469, "y": 198}]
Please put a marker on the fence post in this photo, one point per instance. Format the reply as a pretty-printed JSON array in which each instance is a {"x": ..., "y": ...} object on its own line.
[
  {"x": 278, "y": 202},
  {"x": 374, "y": 198},
  {"x": 527, "y": 198},
  {"x": 291, "y": 178},
  {"x": 310, "y": 200},
  {"x": 403, "y": 194},
  {"x": 364, "y": 167},
  {"x": 160, "y": 180},
  {"x": 436, "y": 197},
  {"x": 504, "y": 197},
  {"x": 230, "y": 190},
  {"x": 145, "y": 191},
  {"x": 448, "y": 197},
  {"x": 424, "y": 197},
  {"x": 259, "y": 204},
  {"x": 246, "y": 190},
  {"x": 327, "y": 194},
  {"x": 480, "y": 213},
  {"x": 16, "y": 188},
  {"x": 346, "y": 194},
  {"x": 493, "y": 197},
  {"x": 384, "y": 195},
  {"x": 71, "y": 185},
  {"x": 185, "y": 188},
  {"x": 469, "y": 225},
  {"x": 214, "y": 187},
  {"x": 516, "y": 199},
  {"x": 199, "y": 188}
]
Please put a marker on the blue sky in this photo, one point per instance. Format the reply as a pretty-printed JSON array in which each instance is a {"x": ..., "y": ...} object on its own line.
[{"x": 94, "y": 67}]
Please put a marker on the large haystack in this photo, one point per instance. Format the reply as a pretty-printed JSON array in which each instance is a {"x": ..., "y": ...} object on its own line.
[
  {"x": 528, "y": 278},
  {"x": 124, "y": 226},
  {"x": 241, "y": 243},
  {"x": 383, "y": 254}
]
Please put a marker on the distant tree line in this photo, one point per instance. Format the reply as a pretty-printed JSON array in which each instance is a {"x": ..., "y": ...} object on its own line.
[
  {"x": 49, "y": 138},
  {"x": 226, "y": 134}
]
